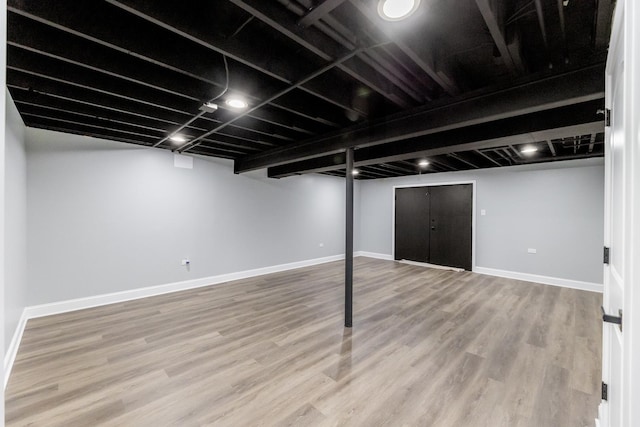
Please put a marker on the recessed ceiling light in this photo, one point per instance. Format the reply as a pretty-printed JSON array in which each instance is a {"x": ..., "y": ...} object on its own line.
[
  {"x": 236, "y": 103},
  {"x": 395, "y": 10},
  {"x": 529, "y": 150},
  {"x": 423, "y": 163},
  {"x": 178, "y": 138},
  {"x": 355, "y": 172}
]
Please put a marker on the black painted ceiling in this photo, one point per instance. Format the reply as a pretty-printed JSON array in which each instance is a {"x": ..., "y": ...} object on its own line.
[{"x": 462, "y": 83}]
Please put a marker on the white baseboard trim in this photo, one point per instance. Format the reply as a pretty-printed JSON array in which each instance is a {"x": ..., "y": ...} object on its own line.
[
  {"x": 12, "y": 351},
  {"x": 546, "y": 280},
  {"x": 603, "y": 414},
  {"x": 42, "y": 310},
  {"x": 111, "y": 298},
  {"x": 374, "y": 255}
]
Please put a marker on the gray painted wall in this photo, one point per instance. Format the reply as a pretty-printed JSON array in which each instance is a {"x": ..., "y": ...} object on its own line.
[
  {"x": 555, "y": 208},
  {"x": 15, "y": 217},
  {"x": 105, "y": 217}
]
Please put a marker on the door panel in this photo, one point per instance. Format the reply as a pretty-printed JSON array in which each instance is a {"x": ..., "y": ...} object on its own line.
[
  {"x": 451, "y": 219},
  {"x": 412, "y": 224},
  {"x": 616, "y": 151},
  {"x": 434, "y": 224}
]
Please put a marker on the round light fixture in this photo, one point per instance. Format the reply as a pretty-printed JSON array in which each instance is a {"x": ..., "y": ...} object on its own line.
[
  {"x": 423, "y": 163},
  {"x": 529, "y": 150},
  {"x": 236, "y": 103},
  {"x": 178, "y": 138},
  {"x": 355, "y": 172},
  {"x": 396, "y": 10}
]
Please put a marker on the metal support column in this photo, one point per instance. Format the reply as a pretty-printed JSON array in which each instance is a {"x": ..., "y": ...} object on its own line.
[{"x": 348, "y": 250}]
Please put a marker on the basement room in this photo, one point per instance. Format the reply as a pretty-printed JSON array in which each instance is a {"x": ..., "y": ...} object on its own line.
[{"x": 320, "y": 213}]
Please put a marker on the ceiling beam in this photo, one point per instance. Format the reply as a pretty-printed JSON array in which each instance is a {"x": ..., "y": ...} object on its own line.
[
  {"x": 603, "y": 24},
  {"x": 185, "y": 57},
  {"x": 109, "y": 62},
  {"x": 116, "y": 96},
  {"x": 563, "y": 30},
  {"x": 551, "y": 92},
  {"x": 196, "y": 141},
  {"x": 402, "y": 169},
  {"x": 326, "y": 164},
  {"x": 551, "y": 147},
  {"x": 592, "y": 141},
  {"x": 79, "y": 100},
  {"x": 282, "y": 21},
  {"x": 319, "y": 12},
  {"x": 443, "y": 163},
  {"x": 541, "y": 22},
  {"x": 411, "y": 46},
  {"x": 530, "y": 128},
  {"x": 459, "y": 157},
  {"x": 274, "y": 66},
  {"x": 344, "y": 36},
  {"x": 486, "y": 156},
  {"x": 494, "y": 20}
]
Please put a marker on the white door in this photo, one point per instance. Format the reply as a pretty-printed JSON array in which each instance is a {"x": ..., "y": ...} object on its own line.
[{"x": 620, "y": 356}]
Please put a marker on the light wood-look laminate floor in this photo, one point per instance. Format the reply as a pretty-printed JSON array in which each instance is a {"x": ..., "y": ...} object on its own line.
[{"x": 428, "y": 348}]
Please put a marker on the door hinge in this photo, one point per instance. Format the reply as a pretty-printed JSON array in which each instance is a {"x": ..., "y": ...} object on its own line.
[
  {"x": 607, "y": 117},
  {"x": 606, "y": 255},
  {"x": 605, "y": 391}
]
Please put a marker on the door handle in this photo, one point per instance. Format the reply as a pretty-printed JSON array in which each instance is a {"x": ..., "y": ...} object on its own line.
[{"x": 608, "y": 318}]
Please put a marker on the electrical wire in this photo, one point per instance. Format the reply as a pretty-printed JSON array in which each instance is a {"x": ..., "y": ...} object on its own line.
[
  {"x": 201, "y": 113},
  {"x": 226, "y": 86}
]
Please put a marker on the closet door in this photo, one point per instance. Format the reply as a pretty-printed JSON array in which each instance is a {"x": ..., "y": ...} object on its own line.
[
  {"x": 433, "y": 224},
  {"x": 412, "y": 224},
  {"x": 451, "y": 220}
]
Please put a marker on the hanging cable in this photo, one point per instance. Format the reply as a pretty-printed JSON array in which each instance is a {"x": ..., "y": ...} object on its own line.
[
  {"x": 203, "y": 110},
  {"x": 226, "y": 85}
]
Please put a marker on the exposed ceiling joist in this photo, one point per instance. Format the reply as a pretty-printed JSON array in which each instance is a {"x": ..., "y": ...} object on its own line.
[
  {"x": 491, "y": 159},
  {"x": 274, "y": 67},
  {"x": 318, "y": 12},
  {"x": 412, "y": 47},
  {"x": 560, "y": 90},
  {"x": 139, "y": 72},
  {"x": 495, "y": 22},
  {"x": 603, "y": 20},
  {"x": 541, "y": 22},
  {"x": 349, "y": 40},
  {"x": 305, "y": 37},
  {"x": 145, "y": 47},
  {"x": 196, "y": 141},
  {"x": 530, "y": 128}
]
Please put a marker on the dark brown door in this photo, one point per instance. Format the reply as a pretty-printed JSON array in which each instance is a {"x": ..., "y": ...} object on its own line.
[
  {"x": 412, "y": 224},
  {"x": 434, "y": 224},
  {"x": 451, "y": 218}
]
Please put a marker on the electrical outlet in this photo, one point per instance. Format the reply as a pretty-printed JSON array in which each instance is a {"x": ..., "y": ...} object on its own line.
[{"x": 532, "y": 251}]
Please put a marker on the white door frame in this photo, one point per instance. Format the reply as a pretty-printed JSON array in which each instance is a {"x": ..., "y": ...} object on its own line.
[
  {"x": 631, "y": 311},
  {"x": 626, "y": 23},
  {"x": 436, "y": 184}
]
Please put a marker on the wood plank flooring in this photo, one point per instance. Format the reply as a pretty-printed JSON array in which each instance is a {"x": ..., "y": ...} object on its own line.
[{"x": 428, "y": 348}]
